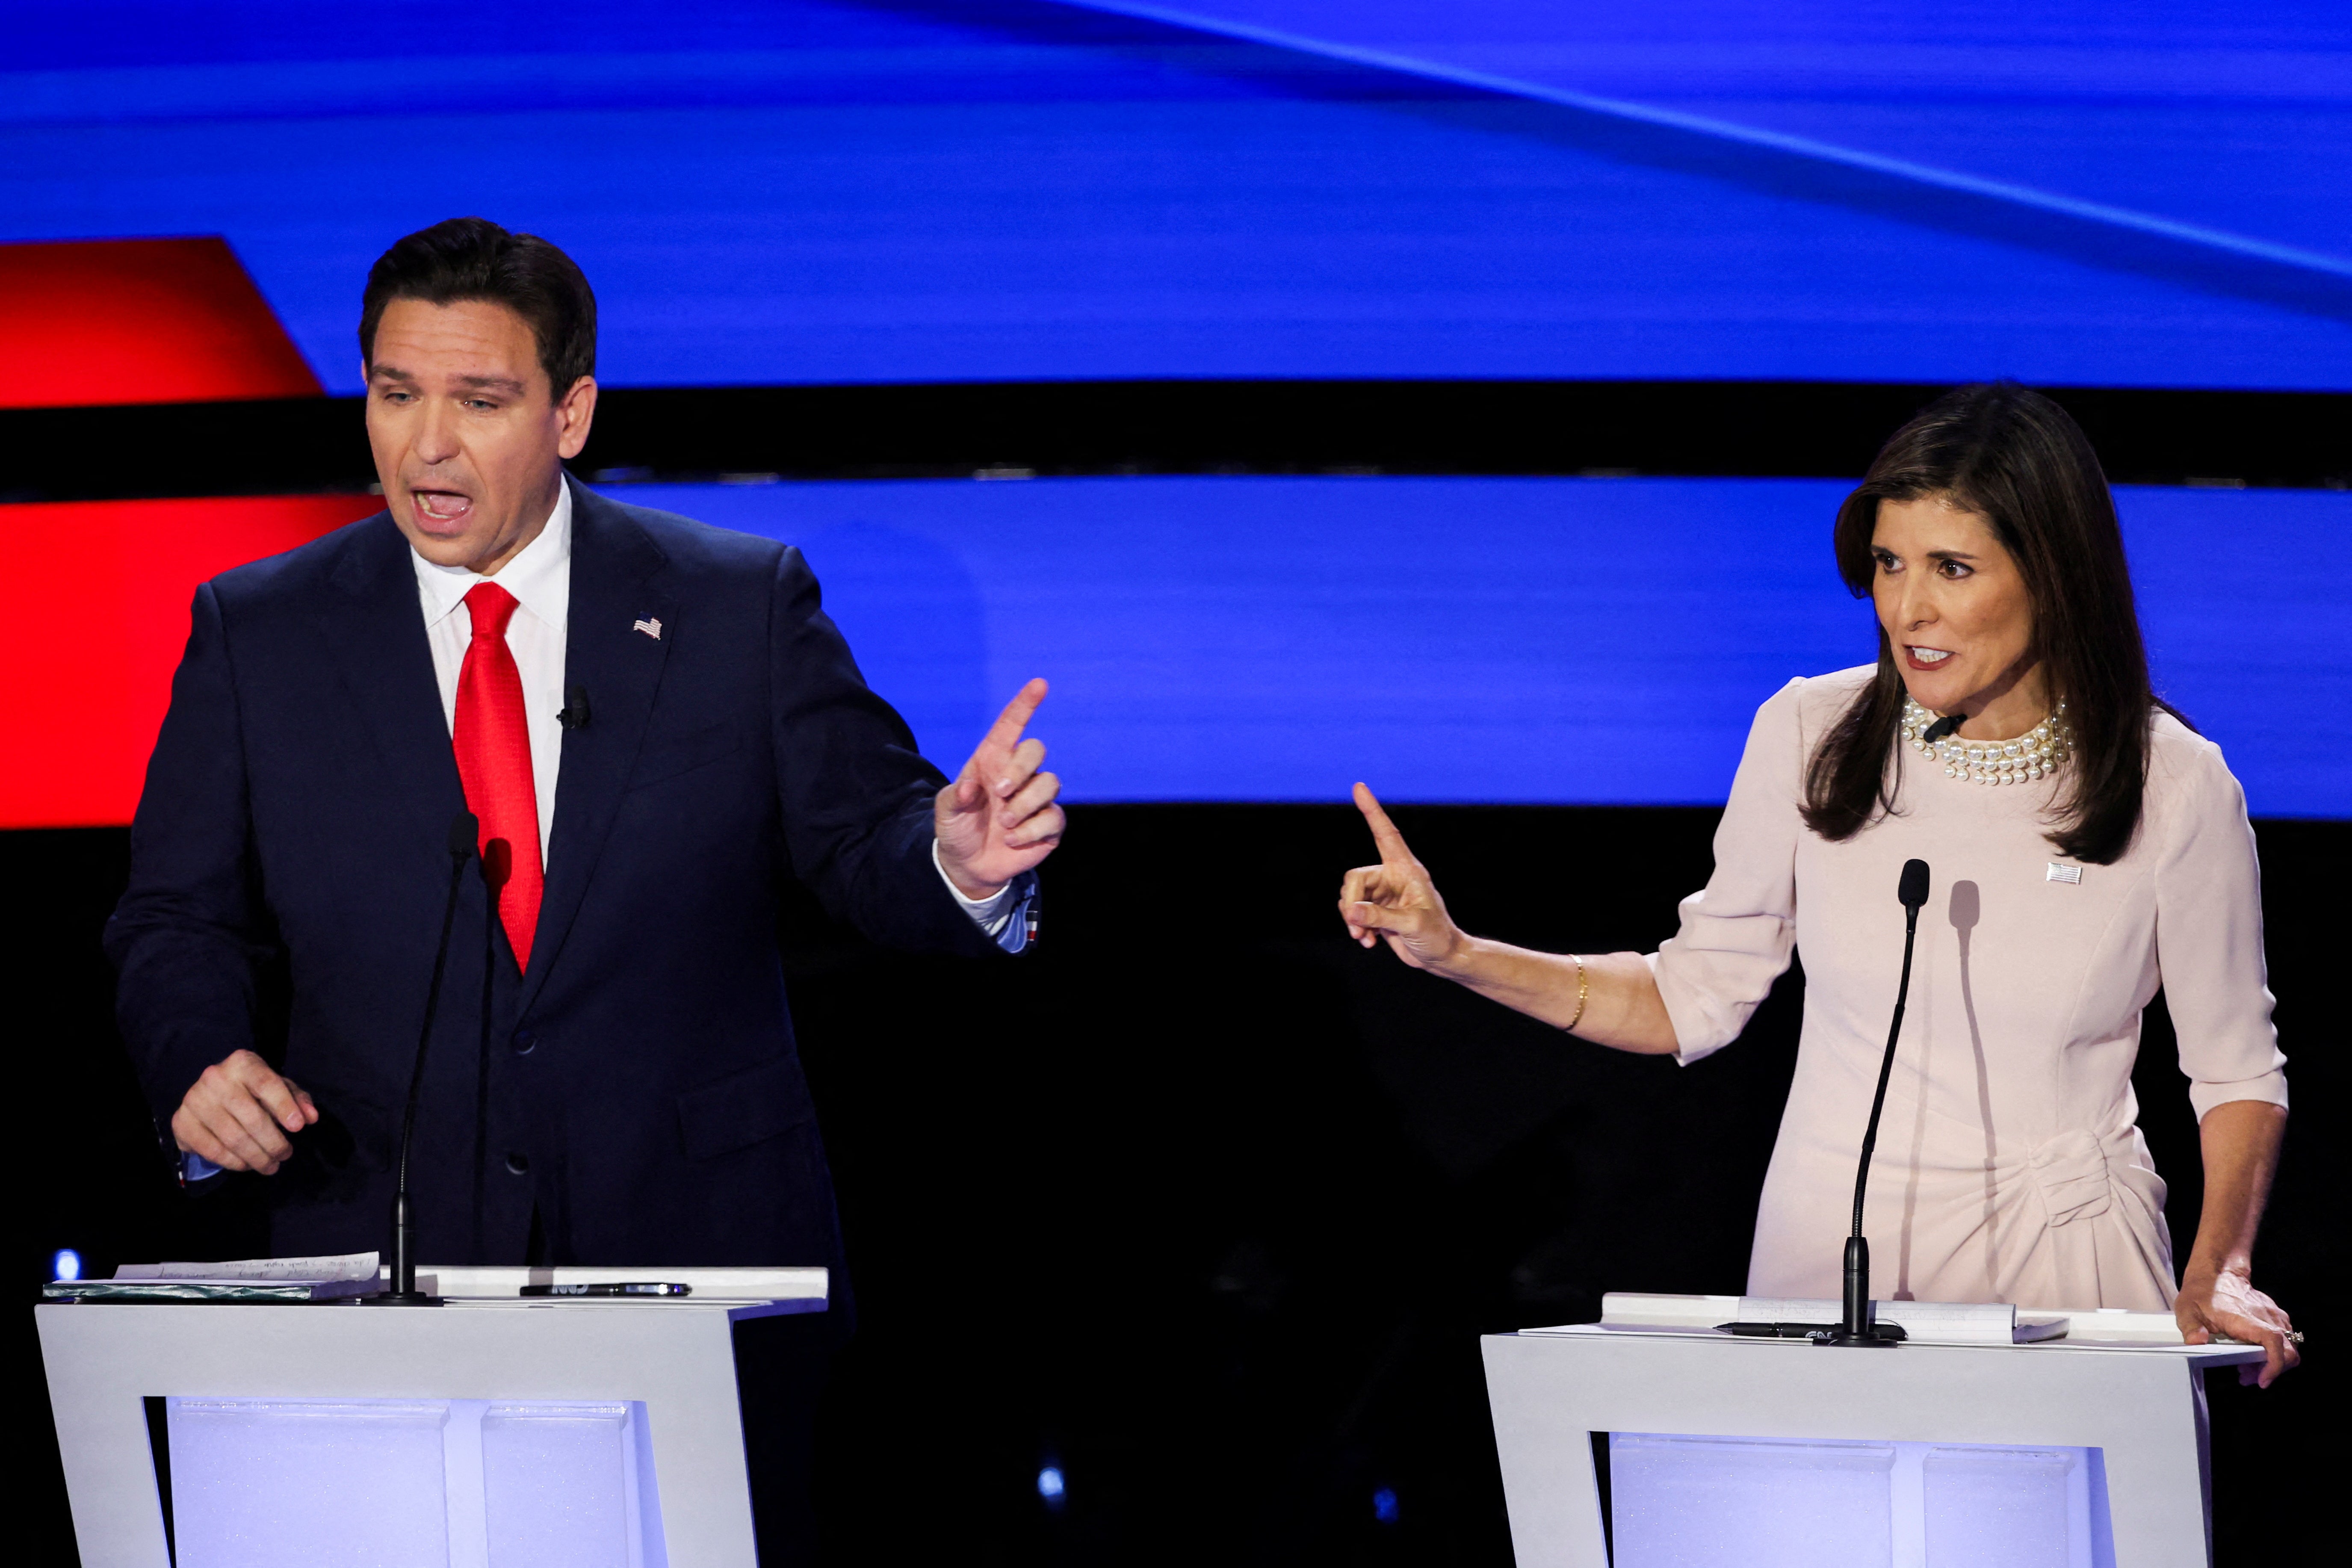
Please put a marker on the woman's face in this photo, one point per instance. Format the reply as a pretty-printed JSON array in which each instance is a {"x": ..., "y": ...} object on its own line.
[{"x": 1957, "y": 613}]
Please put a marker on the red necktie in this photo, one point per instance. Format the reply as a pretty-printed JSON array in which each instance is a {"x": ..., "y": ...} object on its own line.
[{"x": 493, "y": 742}]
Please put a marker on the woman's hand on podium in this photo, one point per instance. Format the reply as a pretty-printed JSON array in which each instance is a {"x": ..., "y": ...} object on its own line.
[
  {"x": 2227, "y": 1304},
  {"x": 239, "y": 1113},
  {"x": 1395, "y": 901}
]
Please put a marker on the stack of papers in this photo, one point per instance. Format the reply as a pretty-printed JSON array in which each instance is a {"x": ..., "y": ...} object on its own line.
[
  {"x": 1928, "y": 1322},
  {"x": 243, "y": 1280}
]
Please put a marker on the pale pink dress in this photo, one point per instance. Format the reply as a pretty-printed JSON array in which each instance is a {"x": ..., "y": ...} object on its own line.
[{"x": 2009, "y": 1164}]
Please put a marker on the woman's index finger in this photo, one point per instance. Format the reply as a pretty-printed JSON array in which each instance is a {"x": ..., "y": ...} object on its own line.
[{"x": 1384, "y": 832}]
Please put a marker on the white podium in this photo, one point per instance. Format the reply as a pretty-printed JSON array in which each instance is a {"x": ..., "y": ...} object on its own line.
[
  {"x": 496, "y": 1431},
  {"x": 1657, "y": 1443}
]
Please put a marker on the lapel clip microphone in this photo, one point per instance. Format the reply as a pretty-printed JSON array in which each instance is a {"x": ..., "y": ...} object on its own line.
[{"x": 573, "y": 714}]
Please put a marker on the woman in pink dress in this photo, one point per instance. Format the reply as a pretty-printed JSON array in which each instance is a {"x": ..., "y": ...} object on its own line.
[{"x": 2087, "y": 847}]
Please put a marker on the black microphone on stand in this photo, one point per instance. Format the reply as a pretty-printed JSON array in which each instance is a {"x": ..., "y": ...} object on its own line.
[
  {"x": 465, "y": 831},
  {"x": 1858, "y": 1330}
]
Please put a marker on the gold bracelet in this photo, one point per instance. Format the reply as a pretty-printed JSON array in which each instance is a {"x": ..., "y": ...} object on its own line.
[{"x": 1583, "y": 989}]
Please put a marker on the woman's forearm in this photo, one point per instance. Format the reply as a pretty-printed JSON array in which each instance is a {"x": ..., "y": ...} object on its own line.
[
  {"x": 2218, "y": 1297},
  {"x": 1622, "y": 1008},
  {"x": 2240, "y": 1140}
]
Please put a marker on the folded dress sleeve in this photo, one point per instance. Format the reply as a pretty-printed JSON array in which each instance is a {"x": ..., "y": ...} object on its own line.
[
  {"x": 1739, "y": 930},
  {"x": 2209, "y": 932}
]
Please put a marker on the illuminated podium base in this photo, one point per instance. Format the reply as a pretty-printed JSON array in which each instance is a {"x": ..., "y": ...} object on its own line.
[
  {"x": 491, "y": 1432},
  {"x": 1664, "y": 1446}
]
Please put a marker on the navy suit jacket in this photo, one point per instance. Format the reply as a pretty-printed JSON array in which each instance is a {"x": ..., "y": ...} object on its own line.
[{"x": 639, "y": 1083}]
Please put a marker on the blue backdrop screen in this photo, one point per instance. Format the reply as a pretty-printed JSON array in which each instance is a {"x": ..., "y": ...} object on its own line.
[
  {"x": 1535, "y": 640},
  {"x": 2117, "y": 192},
  {"x": 2091, "y": 192}
]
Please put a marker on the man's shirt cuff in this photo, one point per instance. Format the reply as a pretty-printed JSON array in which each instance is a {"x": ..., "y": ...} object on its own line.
[{"x": 1009, "y": 919}]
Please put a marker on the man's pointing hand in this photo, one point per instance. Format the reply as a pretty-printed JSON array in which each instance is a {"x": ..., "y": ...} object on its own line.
[{"x": 999, "y": 817}]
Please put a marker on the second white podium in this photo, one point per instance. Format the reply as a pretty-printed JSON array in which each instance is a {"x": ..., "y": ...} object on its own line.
[{"x": 1758, "y": 1453}]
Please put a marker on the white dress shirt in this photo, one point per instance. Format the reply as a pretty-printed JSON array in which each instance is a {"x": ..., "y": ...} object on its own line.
[{"x": 539, "y": 578}]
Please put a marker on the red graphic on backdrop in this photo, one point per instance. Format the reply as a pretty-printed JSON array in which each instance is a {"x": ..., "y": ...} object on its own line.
[
  {"x": 138, "y": 320},
  {"x": 89, "y": 669},
  {"x": 91, "y": 653}
]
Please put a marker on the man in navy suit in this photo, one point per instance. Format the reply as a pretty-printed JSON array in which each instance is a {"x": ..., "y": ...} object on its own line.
[{"x": 656, "y": 726}]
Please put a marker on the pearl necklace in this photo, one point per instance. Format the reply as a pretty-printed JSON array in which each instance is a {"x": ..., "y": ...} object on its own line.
[{"x": 2034, "y": 755}]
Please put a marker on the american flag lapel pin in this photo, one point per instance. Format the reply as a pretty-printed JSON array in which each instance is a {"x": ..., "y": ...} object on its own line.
[{"x": 650, "y": 627}]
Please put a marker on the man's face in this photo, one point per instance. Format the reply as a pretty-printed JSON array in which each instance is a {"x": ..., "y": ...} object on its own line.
[{"x": 468, "y": 434}]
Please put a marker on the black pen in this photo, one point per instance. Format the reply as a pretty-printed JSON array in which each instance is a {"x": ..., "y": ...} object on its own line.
[
  {"x": 1776, "y": 1331},
  {"x": 627, "y": 1287}
]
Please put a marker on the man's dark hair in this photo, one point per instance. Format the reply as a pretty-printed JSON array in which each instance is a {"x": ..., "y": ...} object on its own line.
[
  {"x": 473, "y": 258},
  {"x": 2017, "y": 460}
]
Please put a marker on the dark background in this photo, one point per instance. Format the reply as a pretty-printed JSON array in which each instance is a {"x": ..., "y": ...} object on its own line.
[{"x": 1208, "y": 1207}]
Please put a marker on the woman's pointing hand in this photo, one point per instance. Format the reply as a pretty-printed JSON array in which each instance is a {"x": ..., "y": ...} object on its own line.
[{"x": 1395, "y": 901}]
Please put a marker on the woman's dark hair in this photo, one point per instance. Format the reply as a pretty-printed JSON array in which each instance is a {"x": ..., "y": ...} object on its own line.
[
  {"x": 474, "y": 258},
  {"x": 2017, "y": 459}
]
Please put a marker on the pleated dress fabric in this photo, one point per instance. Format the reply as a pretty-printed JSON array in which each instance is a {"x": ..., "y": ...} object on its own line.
[{"x": 2010, "y": 1165}]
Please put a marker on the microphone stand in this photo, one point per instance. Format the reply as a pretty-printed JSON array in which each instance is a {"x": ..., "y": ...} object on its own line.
[
  {"x": 464, "y": 833},
  {"x": 1858, "y": 1332}
]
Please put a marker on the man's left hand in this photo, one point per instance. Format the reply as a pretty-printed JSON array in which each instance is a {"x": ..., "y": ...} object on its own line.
[{"x": 999, "y": 817}]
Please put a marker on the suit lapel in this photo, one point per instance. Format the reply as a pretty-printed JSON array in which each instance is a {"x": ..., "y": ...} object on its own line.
[
  {"x": 376, "y": 631},
  {"x": 616, "y": 582}
]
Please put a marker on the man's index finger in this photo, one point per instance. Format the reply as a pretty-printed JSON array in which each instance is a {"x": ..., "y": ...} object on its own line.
[{"x": 1006, "y": 731}]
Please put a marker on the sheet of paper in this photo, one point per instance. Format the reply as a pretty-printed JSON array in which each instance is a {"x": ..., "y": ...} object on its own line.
[{"x": 348, "y": 1266}]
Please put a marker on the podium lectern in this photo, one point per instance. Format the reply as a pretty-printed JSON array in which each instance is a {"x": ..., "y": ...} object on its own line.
[
  {"x": 1664, "y": 1442},
  {"x": 495, "y": 1431}
]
